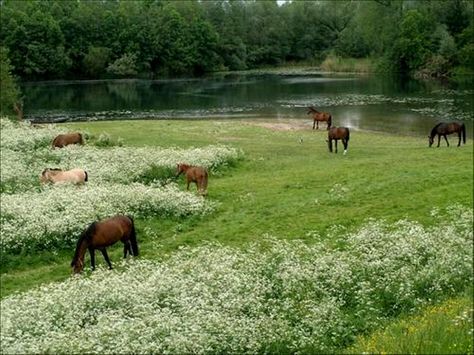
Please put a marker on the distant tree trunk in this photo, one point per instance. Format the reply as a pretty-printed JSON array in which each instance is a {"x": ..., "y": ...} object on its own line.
[{"x": 18, "y": 108}]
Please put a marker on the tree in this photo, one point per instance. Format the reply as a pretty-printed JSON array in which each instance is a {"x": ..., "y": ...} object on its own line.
[
  {"x": 414, "y": 42},
  {"x": 9, "y": 91}
]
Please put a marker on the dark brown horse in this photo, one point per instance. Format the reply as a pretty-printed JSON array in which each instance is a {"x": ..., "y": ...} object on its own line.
[
  {"x": 445, "y": 128},
  {"x": 319, "y": 117},
  {"x": 102, "y": 234},
  {"x": 196, "y": 174},
  {"x": 63, "y": 140},
  {"x": 336, "y": 133}
]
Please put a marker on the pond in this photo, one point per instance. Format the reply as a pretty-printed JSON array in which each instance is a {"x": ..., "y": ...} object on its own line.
[{"x": 389, "y": 104}]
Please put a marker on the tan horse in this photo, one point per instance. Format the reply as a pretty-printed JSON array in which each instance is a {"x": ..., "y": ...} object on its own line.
[
  {"x": 320, "y": 117},
  {"x": 63, "y": 140},
  {"x": 196, "y": 174},
  {"x": 58, "y": 176},
  {"x": 102, "y": 234}
]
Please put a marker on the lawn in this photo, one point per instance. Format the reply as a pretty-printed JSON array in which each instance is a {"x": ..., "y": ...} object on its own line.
[{"x": 285, "y": 185}]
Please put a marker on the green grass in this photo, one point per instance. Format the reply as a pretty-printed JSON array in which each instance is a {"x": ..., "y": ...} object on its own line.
[
  {"x": 281, "y": 187},
  {"x": 446, "y": 328},
  {"x": 334, "y": 63}
]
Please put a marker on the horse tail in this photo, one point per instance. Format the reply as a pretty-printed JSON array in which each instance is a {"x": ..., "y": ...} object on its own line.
[
  {"x": 204, "y": 181},
  {"x": 133, "y": 237},
  {"x": 329, "y": 121},
  {"x": 463, "y": 130},
  {"x": 86, "y": 176},
  {"x": 348, "y": 134},
  {"x": 85, "y": 237}
]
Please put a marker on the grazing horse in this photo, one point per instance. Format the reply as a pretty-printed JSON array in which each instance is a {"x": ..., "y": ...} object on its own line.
[
  {"x": 320, "y": 116},
  {"x": 63, "y": 140},
  {"x": 58, "y": 176},
  {"x": 101, "y": 234},
  {"x": 196, "y": 174},
  {"x": 445, "y": 128},
  {"x": 336, "y": 133}
]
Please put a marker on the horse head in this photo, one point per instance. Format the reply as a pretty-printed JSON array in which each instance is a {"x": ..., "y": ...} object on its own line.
[
  {"x": 181, "y": 168},
  {"x": 430, "y": 140},
  {"x": 77, "y": 265}
]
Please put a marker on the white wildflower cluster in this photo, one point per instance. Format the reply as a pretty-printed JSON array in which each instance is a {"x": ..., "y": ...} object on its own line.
[
  {"x": 125, "y": 164},
  {"x": 22, "y": 136},
  {"x": 55, "y": 217},
  {"x": 26, "y": 152},
  {"x": 33, "y": 217},
  {"x": 275, "y": 296}
]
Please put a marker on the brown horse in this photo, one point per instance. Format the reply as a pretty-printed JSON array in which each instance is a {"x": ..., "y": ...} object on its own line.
[
  {"x": 445, "y": 128},
  {"x": 336, "y": 133},
  {"x": 102, "y": 234},
  {"x": 63, "y": 140},
  {"x": 58, "y": 176},
  {"x": 320, "y": 117},
  {"x": 196, "y": 174}
]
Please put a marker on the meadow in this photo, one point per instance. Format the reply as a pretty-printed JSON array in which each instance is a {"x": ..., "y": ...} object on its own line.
[{"x": 293, "y": 250}]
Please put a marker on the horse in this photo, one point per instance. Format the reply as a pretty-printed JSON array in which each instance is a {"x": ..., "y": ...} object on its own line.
[
  {"x": 196, "y": 174},
  {"x": 320, "y": 116},
  {"x": 445, "y": 128},
  {"x": 63, "y": 140},
  {"x": 336, "y": 133},
  {"x": 58, "y": 176},
  {"x": 101, "y": 234}
]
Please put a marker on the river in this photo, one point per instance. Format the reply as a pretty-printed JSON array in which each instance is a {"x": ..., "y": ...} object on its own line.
[{"x": 389, "y": 104}]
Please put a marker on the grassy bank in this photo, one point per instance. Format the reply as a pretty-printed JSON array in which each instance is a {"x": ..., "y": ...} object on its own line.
[
  {"x": 287, "y": 185},
  {"x": 445, "y": 328}
]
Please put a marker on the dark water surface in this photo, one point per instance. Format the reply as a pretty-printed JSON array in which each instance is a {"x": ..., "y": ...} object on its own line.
[{"x": 388, "y": 104}]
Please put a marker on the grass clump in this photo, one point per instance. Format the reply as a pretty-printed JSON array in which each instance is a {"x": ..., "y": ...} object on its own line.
[{"x": 444, "y": 328}]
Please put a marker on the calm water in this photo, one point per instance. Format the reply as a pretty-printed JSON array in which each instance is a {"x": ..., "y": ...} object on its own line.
[{"x": 373, "y": 103}]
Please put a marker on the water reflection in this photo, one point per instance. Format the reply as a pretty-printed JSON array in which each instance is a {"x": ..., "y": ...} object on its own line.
[{"x": 365, "y": 102}]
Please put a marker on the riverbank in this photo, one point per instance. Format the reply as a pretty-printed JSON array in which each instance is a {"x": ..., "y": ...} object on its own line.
[{"x": 286, "y": 185}]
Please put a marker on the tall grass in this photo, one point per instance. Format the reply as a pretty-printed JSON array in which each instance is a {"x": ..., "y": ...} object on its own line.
[
  {"x": 334, "y": 63},
  {"x": 445, "y": 328}
]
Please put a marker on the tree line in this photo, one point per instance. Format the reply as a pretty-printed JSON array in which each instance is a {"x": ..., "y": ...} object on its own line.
[
  {"x": 80, "y": 39},
  {"x": 92, "y": 39}
]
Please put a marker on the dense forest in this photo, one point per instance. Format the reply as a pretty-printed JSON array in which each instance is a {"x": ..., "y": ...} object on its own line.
[{"x": 53, "y": 39}]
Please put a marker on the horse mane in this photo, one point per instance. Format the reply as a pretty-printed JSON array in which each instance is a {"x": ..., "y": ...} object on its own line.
[
  {"x": 50, "y": 169},
  {"x": 433, "y": 131},
  {"x": 85, "y": 236},
  {"x": 311, "y": 108}
]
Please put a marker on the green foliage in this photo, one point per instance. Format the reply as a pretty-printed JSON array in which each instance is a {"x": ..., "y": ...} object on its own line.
[
  {"x": 445, "y": 328},
  {"x": 9, "y": 91},
  {"x": 125, "y": 66},
  {"x": 96, "y": 60},
  {"x": 412, "y": 47},
  {"x": 56, "y": 39}
]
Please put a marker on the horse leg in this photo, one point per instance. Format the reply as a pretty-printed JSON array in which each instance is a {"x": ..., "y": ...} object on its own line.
[
  {"x": 317, "y": 124},
  {"x": 126, "y": 247},
  {"x": 335, "y": 143},
  {"x": 330, "y": 145},
  {"x": 314, "y": 122},
  {"x": 344, "y": 141},
  {"x": 92, "y": 254},
  {"x": 106, "y": 257},
  {"x": 439, "y": 138},
  {"x": 459, "y": 135},
  {"x": 446, "y": 139}
]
